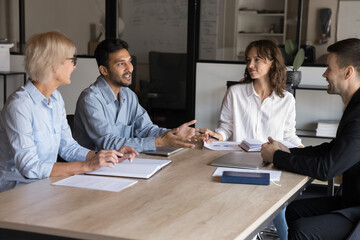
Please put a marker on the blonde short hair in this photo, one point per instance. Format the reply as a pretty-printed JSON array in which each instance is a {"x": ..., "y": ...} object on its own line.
[{"x": 45, "y": 52}]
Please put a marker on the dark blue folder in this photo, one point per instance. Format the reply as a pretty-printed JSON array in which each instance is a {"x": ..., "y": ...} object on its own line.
[{"x": 246, "y": 177}]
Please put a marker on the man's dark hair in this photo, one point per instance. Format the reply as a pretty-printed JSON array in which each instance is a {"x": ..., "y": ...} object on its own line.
[
  {"x": 347, "y": 52},
  {"x": 106, "y": 47}
]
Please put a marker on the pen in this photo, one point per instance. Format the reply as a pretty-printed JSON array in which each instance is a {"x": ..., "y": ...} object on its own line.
[
  {"x": 96, "y": 152},
  {"x": 210, "y": 136}
]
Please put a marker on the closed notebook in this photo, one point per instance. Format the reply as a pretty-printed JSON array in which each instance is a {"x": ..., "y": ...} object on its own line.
[
  {"x": 246, "y": 178},
  {"x": 163, "y": 151},
  {"x": 239, "y": 160}
]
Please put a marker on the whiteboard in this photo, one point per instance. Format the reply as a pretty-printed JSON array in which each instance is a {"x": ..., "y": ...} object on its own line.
[
  {"x": 348, "y": 20},
  {"x": 156, "y": 25},
  {"x": 209, "y": 29}
]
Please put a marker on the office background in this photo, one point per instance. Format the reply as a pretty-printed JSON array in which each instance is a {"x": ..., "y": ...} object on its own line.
[{"x": 164, "y": 26}]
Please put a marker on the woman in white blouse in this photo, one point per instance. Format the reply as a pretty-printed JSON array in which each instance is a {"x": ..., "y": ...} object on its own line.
[{"x": 259, "y": 106}]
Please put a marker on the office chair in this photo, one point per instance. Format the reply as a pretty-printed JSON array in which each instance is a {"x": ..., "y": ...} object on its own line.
[
  {"x": 167, "y": 80},
  {"x": 230, "y": 83},
  {"x": 133, "y": 83},
  {"x": 70, "y": 119},
  {"x": 288, "y": 85},
  {"x": 164, "y": 96}
]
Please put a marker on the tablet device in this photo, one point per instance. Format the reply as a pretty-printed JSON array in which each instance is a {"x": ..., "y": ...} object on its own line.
[
  {"x": 163, "y": 151},
  {"x": 240, "y": 160}
]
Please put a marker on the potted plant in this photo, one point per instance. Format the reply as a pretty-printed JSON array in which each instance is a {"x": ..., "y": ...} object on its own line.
[{"x": 291, "y": 48}]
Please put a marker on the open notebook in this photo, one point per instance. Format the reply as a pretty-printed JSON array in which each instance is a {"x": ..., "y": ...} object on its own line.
[{"x": 138, "y": 168}]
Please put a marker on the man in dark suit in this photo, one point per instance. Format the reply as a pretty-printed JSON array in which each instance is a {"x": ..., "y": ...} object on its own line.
[{"x": 329, "y": 217}]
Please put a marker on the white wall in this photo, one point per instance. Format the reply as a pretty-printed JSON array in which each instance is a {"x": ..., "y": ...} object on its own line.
[
  {"x": 85, "y": 74},
  {"x": 211, "y": 81},
  {"x": 311, "y": 106},
  {"x": 79, "y": 20}
]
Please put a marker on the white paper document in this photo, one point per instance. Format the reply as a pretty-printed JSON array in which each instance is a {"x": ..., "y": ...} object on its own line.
[
  {"x": 231, "y": 146},
  {"x": 274, "y": 175},
  {"x": 138, "y": 168},
  {"x": 96, "y": 183}
]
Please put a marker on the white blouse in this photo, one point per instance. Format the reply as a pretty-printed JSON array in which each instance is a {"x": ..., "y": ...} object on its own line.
[{"x": 244, "y": 116}]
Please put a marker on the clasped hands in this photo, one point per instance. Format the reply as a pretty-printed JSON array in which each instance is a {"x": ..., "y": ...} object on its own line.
[{"x": 268, "y": 149}]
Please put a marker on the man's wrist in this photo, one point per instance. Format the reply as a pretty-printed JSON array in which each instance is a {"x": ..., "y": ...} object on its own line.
[
  {"x": 158, "y": 142},
  {"x": 275, "y": 153}
]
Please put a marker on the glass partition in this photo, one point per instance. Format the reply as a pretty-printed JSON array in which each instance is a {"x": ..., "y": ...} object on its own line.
[{"x": 227, "y": 27}]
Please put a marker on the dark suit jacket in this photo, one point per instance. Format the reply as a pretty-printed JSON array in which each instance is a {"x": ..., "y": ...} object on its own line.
[{"x": 340, "y": 156}]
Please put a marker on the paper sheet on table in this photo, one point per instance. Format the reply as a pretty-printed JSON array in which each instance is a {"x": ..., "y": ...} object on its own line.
[
  {"x": 231, "y": 146},
  {"x": 138, "y": 168},
  {"x": 274, "y": 175},
  {"x": 96, "y": 183}
]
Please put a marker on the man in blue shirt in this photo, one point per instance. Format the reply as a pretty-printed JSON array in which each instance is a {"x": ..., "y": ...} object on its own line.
[{"x": 108, "y": 114}]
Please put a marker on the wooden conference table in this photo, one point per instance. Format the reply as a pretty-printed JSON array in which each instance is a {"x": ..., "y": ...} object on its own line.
[{"x": 182, "y": 201}]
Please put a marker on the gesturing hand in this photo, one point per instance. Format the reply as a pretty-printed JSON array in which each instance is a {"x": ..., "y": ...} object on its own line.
[
  {"x": 171, "y": 138},
  {"x": 186, "y": 132}
]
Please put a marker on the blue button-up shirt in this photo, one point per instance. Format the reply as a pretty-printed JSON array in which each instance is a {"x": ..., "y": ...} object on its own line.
[
  {"x": 103, "y": 122},
  {"x": 33, "y": 131}
]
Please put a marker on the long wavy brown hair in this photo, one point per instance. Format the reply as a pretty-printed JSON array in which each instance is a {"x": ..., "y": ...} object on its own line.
[{"x": 267, "y": 50}]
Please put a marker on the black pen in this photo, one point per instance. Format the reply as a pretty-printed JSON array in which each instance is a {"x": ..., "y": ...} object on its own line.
[
  {"x": 210, "y": 136},
  {"x": 117, "y": 155}
]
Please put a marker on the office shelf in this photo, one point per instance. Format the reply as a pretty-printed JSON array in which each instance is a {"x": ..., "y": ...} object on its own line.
[
  {"x": 310, "y": 87},
  {"x": 310, "y": 133},
  {"x": 259, "y": 19}
]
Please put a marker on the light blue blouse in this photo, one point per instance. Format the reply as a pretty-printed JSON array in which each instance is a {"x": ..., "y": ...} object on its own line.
[
  {"x": 33, "y": 131},
  {"x": 102, "y": 122}
]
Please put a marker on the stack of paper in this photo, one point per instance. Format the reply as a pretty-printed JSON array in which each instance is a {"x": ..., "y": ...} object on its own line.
[
  {"x": 96, "y": 183},
  {"x": 254, "y": 145},
  {"x": 327, "y": 128},
  {"x": 138, "y": 168},
  {"x": 224, "y": 145}
]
